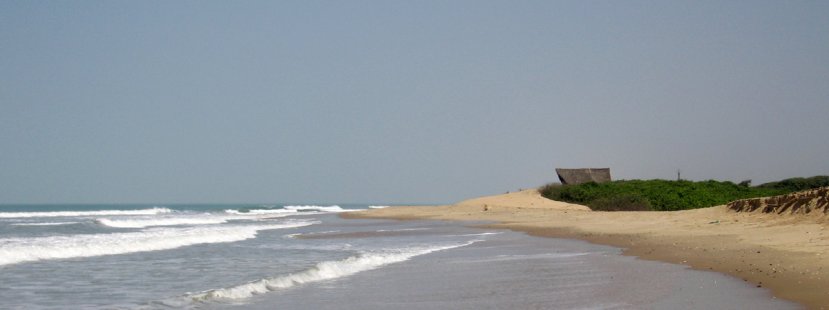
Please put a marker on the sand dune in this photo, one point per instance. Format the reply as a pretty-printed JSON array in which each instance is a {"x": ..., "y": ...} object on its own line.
[
  {"x": 523, "y": 199},
  {"x": 787, "y": 253}
]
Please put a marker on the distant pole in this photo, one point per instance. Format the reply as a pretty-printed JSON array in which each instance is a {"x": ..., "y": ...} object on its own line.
[{"x": 678, "y": 178}]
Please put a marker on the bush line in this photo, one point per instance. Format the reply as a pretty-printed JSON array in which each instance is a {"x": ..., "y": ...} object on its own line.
[{"x": 665, "y": 195}]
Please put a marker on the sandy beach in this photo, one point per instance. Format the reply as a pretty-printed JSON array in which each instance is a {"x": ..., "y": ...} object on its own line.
[{"x": 786, "y": 253}]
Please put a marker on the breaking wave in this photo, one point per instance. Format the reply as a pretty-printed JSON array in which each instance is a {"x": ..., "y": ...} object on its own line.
[
  {"x": 149, "y": 222},
  {"x": 261, "y": 212},
  {"x": 151, "y": 211},
  {"x": 289, "y": 210},
  {"x": 334, "y": 208},
  {"x": 19, "y": 250},
  {"x": 322, "y": 271}
]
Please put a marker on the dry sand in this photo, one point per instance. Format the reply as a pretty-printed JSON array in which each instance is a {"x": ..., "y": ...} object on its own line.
[{"x": 788, "y": 254}]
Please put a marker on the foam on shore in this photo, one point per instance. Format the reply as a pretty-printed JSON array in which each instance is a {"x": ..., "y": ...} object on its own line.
[
  {"x": 322, "y": 271},
  {"x": 19, "y": 250}
]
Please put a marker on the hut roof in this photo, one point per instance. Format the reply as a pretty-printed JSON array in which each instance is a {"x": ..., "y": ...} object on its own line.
[{"x": 583, "y": 175}]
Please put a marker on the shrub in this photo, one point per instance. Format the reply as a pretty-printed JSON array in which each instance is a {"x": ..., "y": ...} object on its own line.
[
  {"x": 550, "y": 190},
  {"x": 624, "y": 202},
  {"x": 662, "y": 195},
  {"x": 798, "y": 184}
]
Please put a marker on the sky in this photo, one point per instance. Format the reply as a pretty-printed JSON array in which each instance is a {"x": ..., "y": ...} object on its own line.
[{"x": 401, "y": 101}]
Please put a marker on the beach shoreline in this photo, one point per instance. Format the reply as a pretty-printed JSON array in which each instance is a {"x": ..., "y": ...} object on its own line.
[{"x": 786, "y": 254}]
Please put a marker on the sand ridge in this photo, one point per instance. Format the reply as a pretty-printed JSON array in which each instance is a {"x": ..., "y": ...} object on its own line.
[
  {"x": 815, "y": 201},
  {"x": 521, "y": 199},
  {"x": 787, "y": 253}
]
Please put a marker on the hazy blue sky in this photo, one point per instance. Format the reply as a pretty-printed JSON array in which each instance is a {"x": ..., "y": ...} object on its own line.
[{"x": 401, "y": 101}]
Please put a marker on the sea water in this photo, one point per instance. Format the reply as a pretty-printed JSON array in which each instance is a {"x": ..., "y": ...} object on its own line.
[{"x": 306, "y": 257}]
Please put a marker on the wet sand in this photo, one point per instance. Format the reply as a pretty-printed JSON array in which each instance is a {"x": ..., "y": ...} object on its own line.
[
  {"x": 784, "y": 253},
  {"x": 511, "y": 270}
]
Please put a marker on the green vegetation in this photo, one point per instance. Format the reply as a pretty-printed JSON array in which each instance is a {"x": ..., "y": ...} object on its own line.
[
  {"x": 798, "y": 184},
  {"x": 660, "y": 195},
  {"x": 622, "y": 202}
]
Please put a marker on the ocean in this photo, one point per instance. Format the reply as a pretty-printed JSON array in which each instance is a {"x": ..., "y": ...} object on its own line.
[{"x": 307, "y": 257}]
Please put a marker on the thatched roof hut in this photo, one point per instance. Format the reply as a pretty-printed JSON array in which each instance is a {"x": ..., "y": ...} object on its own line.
[{"x": 583, "y": 175}]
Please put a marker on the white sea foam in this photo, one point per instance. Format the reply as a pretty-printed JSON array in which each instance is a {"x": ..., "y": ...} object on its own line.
[
  {"x": 333, "y": 208},
  {"x": 292, "y": 236},
  {"x": 270, "y": 212},
  {"x": 18, "y": 250},
  {"x": 322, "y": 271},
  {"x": 151, "y": 211},
  {"x": 289, "y": 210},
  {"x": 377, "y": 207},
  {"x": 169, "y": 221}
]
